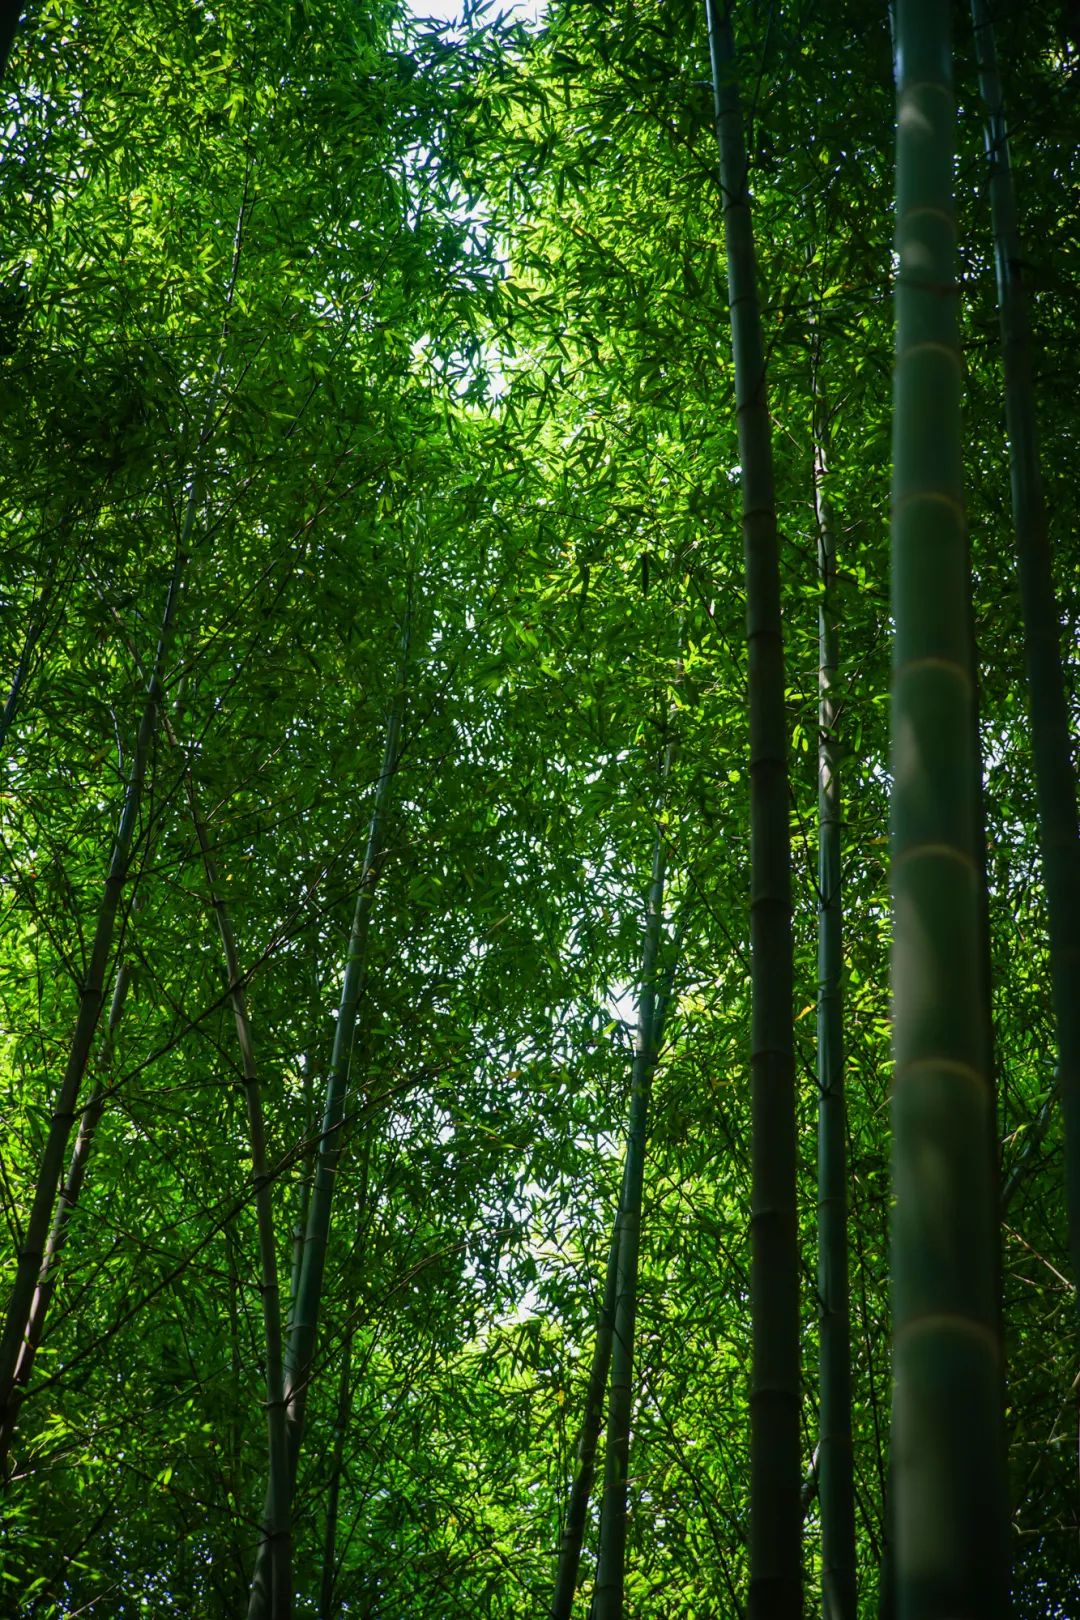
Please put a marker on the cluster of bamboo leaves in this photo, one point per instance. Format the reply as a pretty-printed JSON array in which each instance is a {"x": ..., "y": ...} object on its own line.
[{"x": 376, "y": 754}]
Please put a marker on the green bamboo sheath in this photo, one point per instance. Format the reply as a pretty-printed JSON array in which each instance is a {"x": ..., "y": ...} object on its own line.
[
  {"x": 775, "y": 1442},
  {"x": 951, "y": 1507}
]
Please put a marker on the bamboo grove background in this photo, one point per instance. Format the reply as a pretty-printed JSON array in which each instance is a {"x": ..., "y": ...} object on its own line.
[{"x": 390, "y": 800}]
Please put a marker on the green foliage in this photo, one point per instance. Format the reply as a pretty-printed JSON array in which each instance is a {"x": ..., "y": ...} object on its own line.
[{"x": 439, "y": 314}]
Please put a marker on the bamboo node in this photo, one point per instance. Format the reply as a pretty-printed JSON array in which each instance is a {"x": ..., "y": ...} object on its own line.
[
  {"x": 967, "y": 1071},
  {"x": 939, "y": 497},
  {"x": 949, "y": 852},
  {"x": 944, "y": 666},
  {"x": 931, "y": 345},
  {"x": 947, "y": 1322}
]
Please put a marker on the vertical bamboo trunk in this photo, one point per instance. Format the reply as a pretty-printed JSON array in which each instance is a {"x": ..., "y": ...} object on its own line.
[
  {"x": 886, "y": 1601},
  {"x": 573, "y": 1535},
  {"x": 10, "y": 13},
  {"x": 276, "y": 1525},
  {"x": 70, "y": 1193},
  {"x": 836, "y": 1485},
  {"x": 32, "y": 1253},
  {"x": 341, "y": 1424},
  {"x": 328, "y": 1582},
  {"x": 951, "y": 1506},
  {"x": 608, "y": 1600},
  {"x": 300, "y": 1227},
  {"x": 1055, "y": 780},
  {"x": 276, "y": 1599},
  {"x": 303, "y": 1188},
  {"x": 303, "y": 1328},
  {"x": 775, "y": 1474}
]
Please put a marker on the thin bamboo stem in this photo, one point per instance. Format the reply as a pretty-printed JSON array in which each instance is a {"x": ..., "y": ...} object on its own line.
[
  {"x": 67, "y": 1203},
  {"x": 303, "y": 1328},
  {"x": 276, "y": 1528},
  {"x": 608, "y": 1600},
  {"x": 573, "y": 1534},
  {"x": 32, "y": 1254},
  {"x": 92, "y": 995},
  {"x": 1055, "y": 776},
  {"x": 775, "y": 1439},
  {"x": 337, "y": 1468},
  {"x": 836, "y": 1484}
]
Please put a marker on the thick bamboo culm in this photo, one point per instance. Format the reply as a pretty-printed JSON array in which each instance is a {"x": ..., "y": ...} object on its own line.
[{"x": 951, "y": 1552}]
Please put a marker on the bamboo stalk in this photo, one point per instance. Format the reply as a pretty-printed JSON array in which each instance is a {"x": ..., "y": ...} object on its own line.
[
  {"x": 950, "y": 1500},
  {"x": 1055, "y": 777},
  {"x": 316, "y": 1238},
  {"x": 276, "y": 1527},
  {"x": 337, "y": 1468},
  {"x": 328, "y": 1582},
  {"x": 67, "y": 1203},
  {"x": 92, "y": 994},
  {"x": 608, "y": 1600},
  {"x": 775, "y": 1440},
  {"x": 573, "y": 1534},
  {"x": 836, "y": 1485},
  {"x": 32, "y": 1253},
  {"x": 303, "y": 1328},
  {"x": 9, "y": 22}
]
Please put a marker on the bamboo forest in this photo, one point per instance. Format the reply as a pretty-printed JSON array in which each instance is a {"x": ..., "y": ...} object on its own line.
[{"x": 539, "y": 851}]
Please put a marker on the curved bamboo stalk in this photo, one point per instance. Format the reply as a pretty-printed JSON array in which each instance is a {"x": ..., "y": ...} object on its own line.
[
  {"x": 951, "y": 1506},
  {"x": 276, "y": 1598},
  {"x": 92, "y": 994},
  {"x": 32, "y": 1254},
  {"x": 775, "y": 1440},
  {"x": 35, "y": 630},
  {"x": 70, "y": 1193}
]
